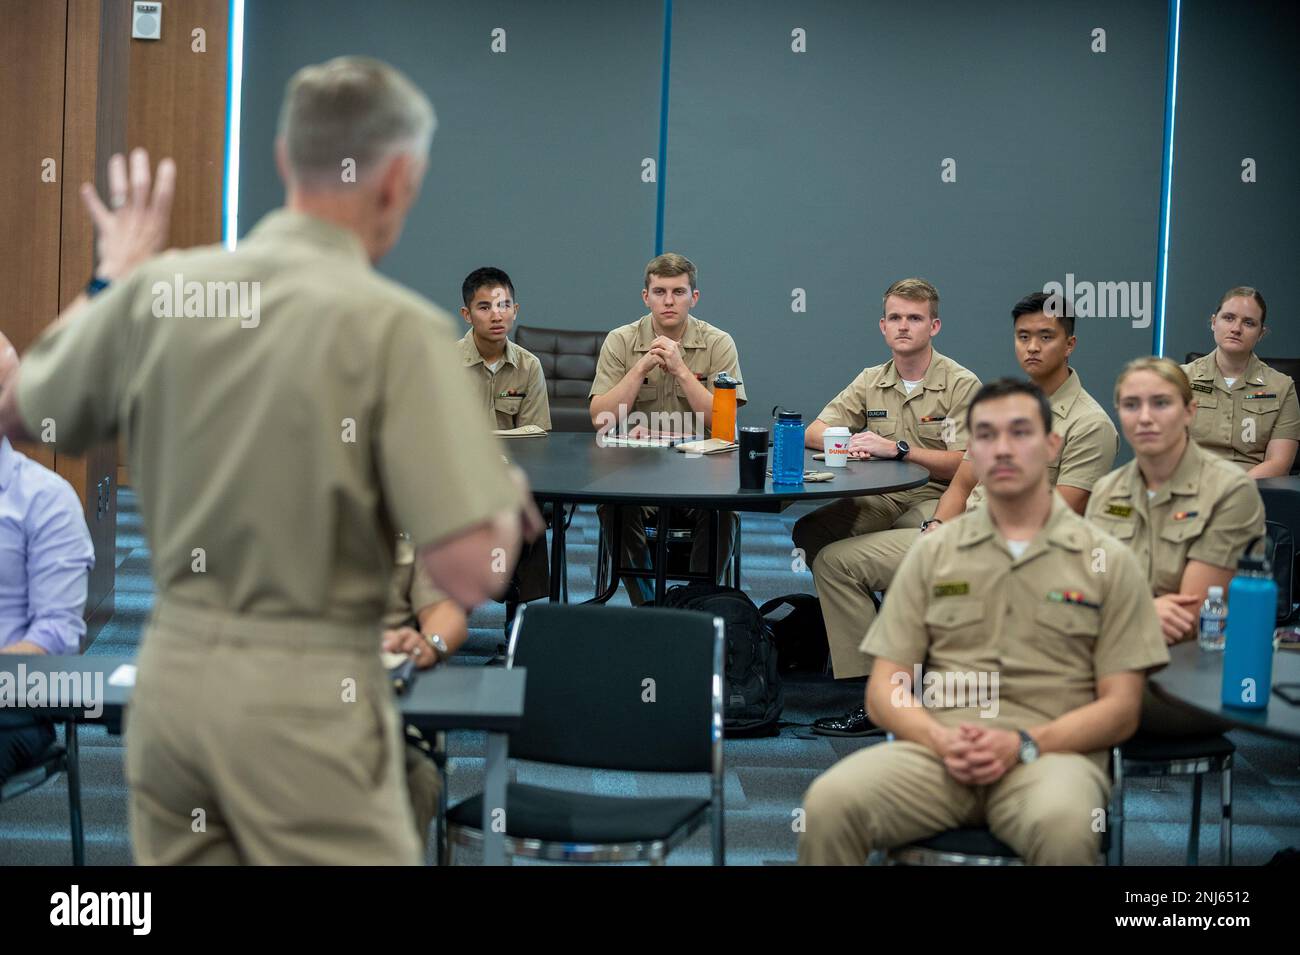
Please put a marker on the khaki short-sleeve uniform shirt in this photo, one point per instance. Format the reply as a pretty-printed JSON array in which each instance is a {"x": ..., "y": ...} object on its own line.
[
  {"x": 1046, "y": 624},
  {"x": 409, "y": 588},
  {"x": 285, "y": 408},
  {"x": 515, "y": 394},
  {"x": 933, "y": 416},
  {"x": 1209, "y": 510},
  {"x": 1236, "y": 422},
  {"x": 706, "y": 350},
  {"x": 1089, "y": 441}
]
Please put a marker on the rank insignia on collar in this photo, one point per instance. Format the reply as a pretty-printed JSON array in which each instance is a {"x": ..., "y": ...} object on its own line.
[
  {"x": 1184, "y": 515},
  {"x": 934, "y": 417},
  {"x": 955, "y": 588},
  {"x": 878, "y": 414},
  {"x": 1119, "y": 510},
  {"x": 1072, "y": 597},
  {"x": 1260, "y": 394},
  {"x": 1208, "y": 389}
]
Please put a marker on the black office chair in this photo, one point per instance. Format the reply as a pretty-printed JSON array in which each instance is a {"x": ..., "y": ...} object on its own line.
[
  {"x": 585, "y": 704},
  {"x": 59, "y": 758},
  {"x": 977, "y": 846}
]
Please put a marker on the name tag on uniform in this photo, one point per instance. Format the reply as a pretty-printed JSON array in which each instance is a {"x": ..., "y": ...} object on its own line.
[
  {"x": 1185, "y": 515},
  {"x": 1119, "y": 510},
  {"x": 956, "y": 588},
  {"x": 928, "y": 419},
  {"x": 1208, "y": 389},
  {"x": 1072, "y": 597},
  {"x": 877, "y": 414},
  {"x": 512, "y": 393},
  {"x": 1261, "y": 394}
]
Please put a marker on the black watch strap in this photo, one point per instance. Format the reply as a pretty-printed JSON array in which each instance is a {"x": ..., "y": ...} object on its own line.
[{"x": 96, "y": 285}]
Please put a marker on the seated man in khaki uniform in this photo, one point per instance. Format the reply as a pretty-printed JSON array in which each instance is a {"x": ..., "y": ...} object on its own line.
[
  {"x": 512, "y": 389},
  {"x": 663, "y": 366},
  {"x": 1009, "y": 658},
  {"x": 849, "y": 573},
  {"x": 1186, "y": 514},
  {"x": 1246, "y": 412},
  {"x": 423, "y": 623}
]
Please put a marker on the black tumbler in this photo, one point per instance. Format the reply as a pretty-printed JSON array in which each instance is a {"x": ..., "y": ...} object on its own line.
[{"x": 753, "y": 458}]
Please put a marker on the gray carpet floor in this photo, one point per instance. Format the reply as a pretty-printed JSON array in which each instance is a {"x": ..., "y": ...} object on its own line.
[{"x": 765, "y": 778}]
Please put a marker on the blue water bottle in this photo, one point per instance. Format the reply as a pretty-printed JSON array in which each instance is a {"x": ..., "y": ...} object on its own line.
[
  {"x": 1248, "y": 654},
  {"x": 787, "y": 448}
]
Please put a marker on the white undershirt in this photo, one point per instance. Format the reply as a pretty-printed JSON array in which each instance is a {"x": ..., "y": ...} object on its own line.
[
  {"x": 494, "y": 366},
  {"x": 1230, "y": 381},
  {"x": 1151, "y": 494},
  {"x": 1017, "y": 548},
  {"x": 911, "y": 385}
]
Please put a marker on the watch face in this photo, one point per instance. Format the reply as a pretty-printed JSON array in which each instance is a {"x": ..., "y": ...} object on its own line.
[{"x": 1028, "y": 751}]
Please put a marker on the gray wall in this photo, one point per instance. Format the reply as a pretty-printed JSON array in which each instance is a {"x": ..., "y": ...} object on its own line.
[
  {"x": 536, "y": 165},
  {"x": 1238, "y": 97},
  {"x": 821, "y": 170}
]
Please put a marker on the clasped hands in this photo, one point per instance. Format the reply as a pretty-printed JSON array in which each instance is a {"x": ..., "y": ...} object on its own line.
[
  {"x": 977, "y": 755},
  {"x": 868, "y": 444},
  {"x": 666, "y": 354}
]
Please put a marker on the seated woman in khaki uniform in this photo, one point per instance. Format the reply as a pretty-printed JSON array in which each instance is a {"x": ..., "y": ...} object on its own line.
[
  {"x": 1186, "y": 514},
  {"x": 1246, "y": 412},
  {"x": 425, "y": 624}
]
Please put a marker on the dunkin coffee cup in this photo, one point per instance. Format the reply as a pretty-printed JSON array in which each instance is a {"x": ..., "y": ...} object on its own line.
[{"x": 835, "y": 442}]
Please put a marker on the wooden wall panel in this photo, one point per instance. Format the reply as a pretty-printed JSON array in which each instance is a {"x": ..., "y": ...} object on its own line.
[{"x": 32, "y": 53}]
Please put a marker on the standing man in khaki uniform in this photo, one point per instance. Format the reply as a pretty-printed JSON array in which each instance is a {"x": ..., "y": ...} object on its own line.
[
  {"x": 910, "y": 408},
  {"x": 512, "y": 390},
  {"x": 1246, "y": 412},
  {"x": 1038, "y": 615},
  {"x": 662, "y": 367},
  {"x": 850, "y": 571},
  {"x": 280, "y": 428}
]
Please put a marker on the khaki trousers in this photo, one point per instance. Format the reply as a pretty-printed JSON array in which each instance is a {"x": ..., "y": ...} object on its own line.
[
  {"x": 635, "y": 553},
  {"x": 848, "y": 571},
  {"x": 890, "y": 794},
  {"x": 264, "y": 741},
  {"x": 854, "y": 516}
]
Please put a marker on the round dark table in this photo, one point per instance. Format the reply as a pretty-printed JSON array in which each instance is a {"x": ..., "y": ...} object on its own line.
[
  {"x": 1194, "y": 677},
  {"x": 570, "y": 468}
]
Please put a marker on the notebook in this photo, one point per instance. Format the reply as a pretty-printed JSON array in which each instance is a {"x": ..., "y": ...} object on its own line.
[
  {"x": 525, "y": 431},
  {"x": 707, "y": 446}
]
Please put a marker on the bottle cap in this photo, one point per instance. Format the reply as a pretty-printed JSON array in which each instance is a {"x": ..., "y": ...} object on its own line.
[
  {"x": 1215, "y": 593},
  {"x": 725, "y": 381}
]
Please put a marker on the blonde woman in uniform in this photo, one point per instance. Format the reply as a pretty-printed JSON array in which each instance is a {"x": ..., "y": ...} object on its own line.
[
  {"x": 1246, "y": 412},
  {"x": 1186, "y": 514}
]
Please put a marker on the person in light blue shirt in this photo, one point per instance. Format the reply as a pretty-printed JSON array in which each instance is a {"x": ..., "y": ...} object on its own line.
[{"x": 45, "y": 559}]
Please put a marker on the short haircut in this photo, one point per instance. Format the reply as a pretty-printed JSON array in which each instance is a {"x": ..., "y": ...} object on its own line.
[
  {"x": 351, "y": 108},
  {"x": 1246, "y": 292},
  {"x": 1166, "y": 368},
  {"x": 1005, "y": 388},
  {"x": 914, "y": 290},
  {"x": 1054, "y": 306},
  {"x": 668, "y": 265},
  {"x": 486, "y": 277}
]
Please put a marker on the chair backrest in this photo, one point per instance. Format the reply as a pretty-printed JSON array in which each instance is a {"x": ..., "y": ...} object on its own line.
[
  {"x": 568, "y": 357},
  {"x": 636, "y": 689},
  {"x": 1282, "y": 508}
]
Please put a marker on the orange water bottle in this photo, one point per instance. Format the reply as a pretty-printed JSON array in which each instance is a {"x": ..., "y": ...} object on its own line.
[{"x": 724, "y": 407}]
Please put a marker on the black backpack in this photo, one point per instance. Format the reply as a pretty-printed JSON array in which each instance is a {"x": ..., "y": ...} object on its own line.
[
  {"x": 752, "y": 697},
  {"x": 799, "y": 634}
]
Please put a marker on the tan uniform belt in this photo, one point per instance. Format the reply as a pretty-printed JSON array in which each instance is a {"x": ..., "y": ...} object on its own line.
[{"x": 183, "y": 622}]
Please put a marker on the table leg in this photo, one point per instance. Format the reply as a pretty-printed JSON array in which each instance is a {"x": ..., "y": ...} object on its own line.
[
  {"x": 494, "y": 800},
  {"x": 557, "y": 549},
  {"x": 661, "y": 555},
  {"x": 715, "y": 526}
]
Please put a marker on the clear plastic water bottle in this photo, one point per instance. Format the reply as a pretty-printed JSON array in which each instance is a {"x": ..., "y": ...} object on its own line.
[
  {"x": 1214, "y": 620},
  {"x": 787, "y": 448}
]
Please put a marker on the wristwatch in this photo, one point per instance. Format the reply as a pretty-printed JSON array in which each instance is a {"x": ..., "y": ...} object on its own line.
[
  {"x": 439, "y": 647},
  {"x": 903, "y": 449},
  {"x": 1028, "y": 748},
  {"x": 926, "y": 523},
  {"x": 95, "y": 286}
]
